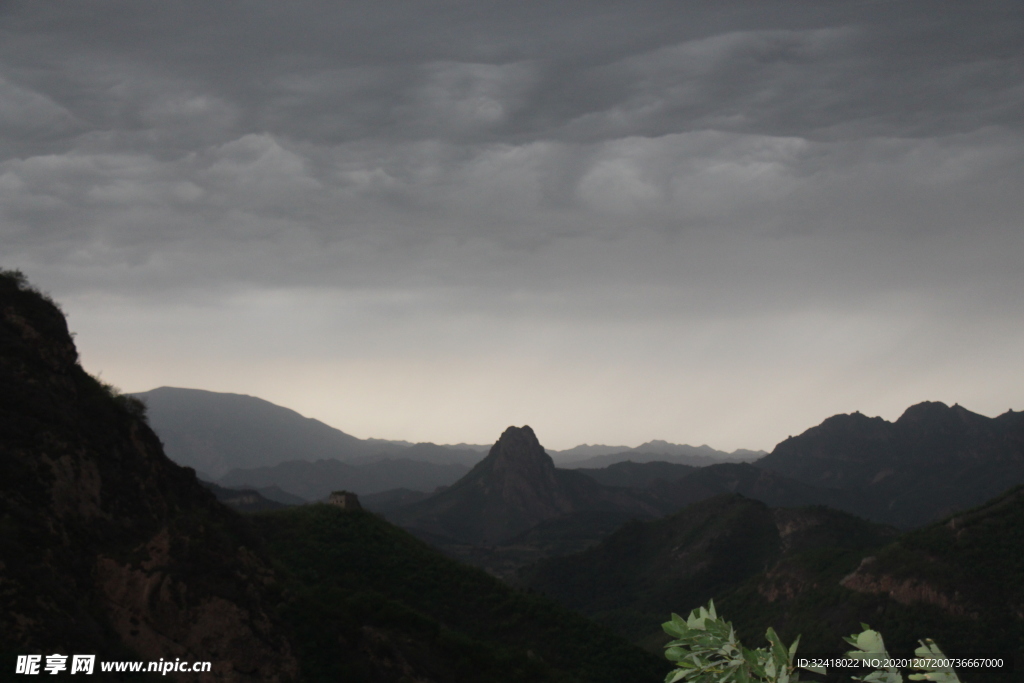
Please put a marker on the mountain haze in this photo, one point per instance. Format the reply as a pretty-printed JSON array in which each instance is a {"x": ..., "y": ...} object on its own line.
[
  {"x": 216, "y": 433},
  {"x": 108, "y": 547},
  {"x": 651, "y": 451}
]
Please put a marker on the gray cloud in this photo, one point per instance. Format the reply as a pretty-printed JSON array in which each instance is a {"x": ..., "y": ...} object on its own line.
[{"x": 549, "y": 181}]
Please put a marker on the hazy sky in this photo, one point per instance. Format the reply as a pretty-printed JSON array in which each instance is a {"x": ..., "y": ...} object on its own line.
[{"x": 701, "y": 221}]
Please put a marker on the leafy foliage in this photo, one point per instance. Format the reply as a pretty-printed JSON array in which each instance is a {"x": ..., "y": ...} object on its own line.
[{"x": 706, "y": 649}]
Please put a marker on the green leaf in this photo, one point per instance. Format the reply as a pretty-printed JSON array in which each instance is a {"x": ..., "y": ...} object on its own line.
[
  {"x": 676, "y": 653},
  {"x": 752, "y": 660},
  {"x": 930, "y": 652},
  {"x": 674, "y": 676},
  {"x": 779, "y": 652},
  {"x": 871, "y": 642}
]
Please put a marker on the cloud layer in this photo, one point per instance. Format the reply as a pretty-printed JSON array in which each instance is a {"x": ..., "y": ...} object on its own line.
[{"x": 696, "y": 221}]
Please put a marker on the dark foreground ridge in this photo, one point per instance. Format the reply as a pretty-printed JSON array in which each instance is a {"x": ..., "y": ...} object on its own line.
[{"x": 108, "y": 547}]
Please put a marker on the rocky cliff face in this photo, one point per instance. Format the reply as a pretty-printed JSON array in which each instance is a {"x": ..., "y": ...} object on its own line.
[
  {"x": 107, "y": 547},
  {"x": 515, "y": 487}
]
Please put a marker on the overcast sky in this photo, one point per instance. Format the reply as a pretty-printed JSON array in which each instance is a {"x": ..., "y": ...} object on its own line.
[{"x": 700, "y": 221}]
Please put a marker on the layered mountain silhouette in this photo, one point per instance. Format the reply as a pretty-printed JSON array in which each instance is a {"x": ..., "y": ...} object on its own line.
[
  {"x": 934, "y": 460},
  {"x": 109, "y": 548},
  {"x": 931, "y": 462},
  {"x": 515, "y": 487},
  {"x": 215, "y": 433},
  {"x": 652, "y": 451}
]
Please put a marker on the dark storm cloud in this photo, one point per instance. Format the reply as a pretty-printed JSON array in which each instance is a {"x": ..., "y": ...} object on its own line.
[
  {"x": 751, "y": 213},
  {"x": 187, "y": 73},
  {"x": 379, "y": 142}
]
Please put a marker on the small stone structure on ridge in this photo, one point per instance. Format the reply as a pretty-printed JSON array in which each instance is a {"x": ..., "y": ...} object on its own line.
[{"x": 346, "y": 500}]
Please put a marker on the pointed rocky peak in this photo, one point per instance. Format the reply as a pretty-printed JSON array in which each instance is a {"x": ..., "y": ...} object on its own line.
[{"x": 519, "y": 450}]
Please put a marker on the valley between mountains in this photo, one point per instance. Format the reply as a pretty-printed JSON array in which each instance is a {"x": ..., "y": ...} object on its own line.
[{"x": 189, "y": 524}]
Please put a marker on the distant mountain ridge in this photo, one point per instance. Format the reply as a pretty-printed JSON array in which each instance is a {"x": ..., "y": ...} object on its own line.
[
  {"x": 214, "y": 433},
  {"x": 697, "y": 458},
  {"x": 650, "y": 451}
]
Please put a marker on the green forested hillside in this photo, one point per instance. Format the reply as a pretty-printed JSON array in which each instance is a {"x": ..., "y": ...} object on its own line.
[{"x": 363, "y": 598}]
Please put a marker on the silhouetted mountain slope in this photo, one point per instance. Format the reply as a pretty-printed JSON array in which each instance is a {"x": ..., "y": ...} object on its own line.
[
  {"x": 215, "y": 433},
  {"x": 931, "y": 462},
  {"x": 513, "y": 488},
  {"x": 362, "y": 593},
  {"x": 637, "y": 576},
  {"x": 107, "y": 547},
  {"x": 316, "y": 480}
]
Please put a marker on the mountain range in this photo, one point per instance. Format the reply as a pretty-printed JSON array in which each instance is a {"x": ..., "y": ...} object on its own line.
[
  {"x": 242, "y": 441},
  {"x": 932, "y": 461},
  {"x": 515, "y": 507},
  {"x": 109, "y": 548}
]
